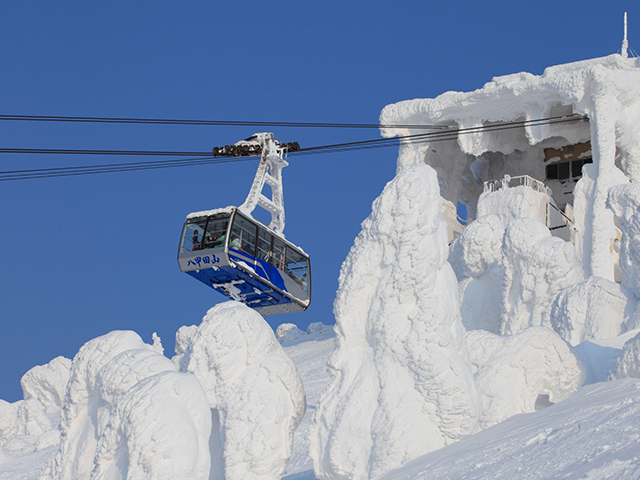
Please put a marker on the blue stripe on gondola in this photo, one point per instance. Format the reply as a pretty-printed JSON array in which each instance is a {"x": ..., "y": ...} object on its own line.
[
  {"x": 254, "y": 292},
  {"x": 262, "y": 268}
]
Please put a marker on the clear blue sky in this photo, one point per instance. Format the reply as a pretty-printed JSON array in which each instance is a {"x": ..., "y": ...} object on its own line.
[{"x": 82, "y": 256}]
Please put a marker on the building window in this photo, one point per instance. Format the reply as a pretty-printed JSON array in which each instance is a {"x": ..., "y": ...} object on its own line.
[
  {"x": 570, "y": 170},
  {"x": 566, "y": 163}
]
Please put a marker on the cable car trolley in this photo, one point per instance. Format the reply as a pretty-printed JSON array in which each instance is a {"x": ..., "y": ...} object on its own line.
[{"x": 240, "y": 257}]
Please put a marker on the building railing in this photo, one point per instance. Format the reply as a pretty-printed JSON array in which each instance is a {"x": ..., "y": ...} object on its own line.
[{"x": 511, "y": 182}]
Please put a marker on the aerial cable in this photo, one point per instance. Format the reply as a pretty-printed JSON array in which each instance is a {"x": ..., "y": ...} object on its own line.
[
  {"x": 449, "y": 135},
  {"x": 427, "y": 137},
  {"x": 224, "y": 123},
  {"x": 208, "y": 158},
  {"x": 54, "y": 151},
  {"x": 74, "y": 171},
  {"x": 115, "y": 165}
]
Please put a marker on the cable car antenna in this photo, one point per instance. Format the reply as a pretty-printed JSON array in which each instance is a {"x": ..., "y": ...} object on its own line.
[{"x": 625, "y": 42}]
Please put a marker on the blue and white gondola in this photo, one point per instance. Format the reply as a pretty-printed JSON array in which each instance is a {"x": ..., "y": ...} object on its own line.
[{"x": 246, "y": 261}]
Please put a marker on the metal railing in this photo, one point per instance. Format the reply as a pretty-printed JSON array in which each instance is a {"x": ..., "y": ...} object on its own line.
[{"x": 511, "y": 182}]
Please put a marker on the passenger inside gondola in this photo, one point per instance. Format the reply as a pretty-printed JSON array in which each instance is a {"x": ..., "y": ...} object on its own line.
[
  {"x": 273, "y": 272},
  {"x": 195, "y": 241},
  {"x": 236, "y": 244},
  {"x": 218, "y": 241}
]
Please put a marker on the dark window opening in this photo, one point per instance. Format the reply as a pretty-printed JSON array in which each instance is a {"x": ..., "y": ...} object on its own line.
[
  {"x": 563, "y": 171},
  {"x": 567, "y": 170}
]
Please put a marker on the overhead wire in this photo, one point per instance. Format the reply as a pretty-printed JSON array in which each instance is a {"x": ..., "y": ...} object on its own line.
[
  {"x": 111, "y": 168},
  {"x": 202, "y": 158},
  {"x": 443, "y": 136},
  {"x": 229, "y": 123},
  {"x": 54, "y": 151}
]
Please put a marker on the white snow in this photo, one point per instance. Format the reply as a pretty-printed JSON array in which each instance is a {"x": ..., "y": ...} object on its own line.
[
  {"x": 603, "y": 90},
  {"x": 512, "y": 203},
  {"x": 128, "y": 413},
  {"x": 537, "y": 268},
  {"x": 476, "y": 257},
  {"x": 628, "y": 363},
  {"x": 254, "y": 390},
  {"x": 47, "y": 383},
  {"x": 509, "y": 277},
  {"x": 401, "y": 383},
  {"x": 592, "y": 435},
  {"x": 522, "y": 372},
  {"x": 590, "y": 310}
]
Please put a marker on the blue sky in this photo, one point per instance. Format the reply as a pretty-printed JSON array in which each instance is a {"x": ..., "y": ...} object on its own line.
[{"x": 86, "y": 255}]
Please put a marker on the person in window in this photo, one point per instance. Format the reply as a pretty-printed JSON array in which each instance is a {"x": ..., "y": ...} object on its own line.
[
  {"x": 207, "y": 242},
  {"x": 235, "y": 244},
  {"x": 218, "y": 241},
  {"x": 195, "y": 241}
]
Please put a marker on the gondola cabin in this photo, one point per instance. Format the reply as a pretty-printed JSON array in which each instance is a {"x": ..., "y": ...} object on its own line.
[{"x": 246, "y": 261}]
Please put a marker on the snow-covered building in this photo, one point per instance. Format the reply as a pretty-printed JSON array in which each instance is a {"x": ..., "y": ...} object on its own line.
[{"x": 551, "y": 145}]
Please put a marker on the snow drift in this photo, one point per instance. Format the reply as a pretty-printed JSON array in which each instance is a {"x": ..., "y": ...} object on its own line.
[
  {"x": 592, "y": 435},
  {"x": 401, "y": 383},
  {"x": 253, "y": 388}
]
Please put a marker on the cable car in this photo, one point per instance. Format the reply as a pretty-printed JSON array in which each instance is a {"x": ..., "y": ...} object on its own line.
[{"x": 240, "y": 257}]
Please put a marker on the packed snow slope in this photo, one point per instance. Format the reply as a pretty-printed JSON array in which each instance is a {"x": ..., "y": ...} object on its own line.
[{"x": 592, "y": 435}]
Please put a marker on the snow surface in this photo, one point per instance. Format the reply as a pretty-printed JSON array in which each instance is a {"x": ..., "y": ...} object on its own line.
[{"x": 592, "y": 435}]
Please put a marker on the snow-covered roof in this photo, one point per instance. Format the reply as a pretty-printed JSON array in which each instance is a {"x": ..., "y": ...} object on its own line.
[
  {"x": 524, "y": 96},
  {"x": 208, "y": 213}
]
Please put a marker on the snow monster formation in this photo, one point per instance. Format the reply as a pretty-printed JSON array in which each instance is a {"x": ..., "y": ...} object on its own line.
[
  {"x": 254, "y": 390},
  {"x": 523, "y": 372},
  {"x": 38, "y": 415},
  {"x": 476, "y": 258},
  {"x": 599, "y": 308},
  {"x": 407, "y": 377},
  {"x": 511, "y": 274},
  {"x": 624, "y": 201},
  {"x": 401, "y": 381},
  {"x": 628, "y": 363},
  {"x": 128, "y": 413}
]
